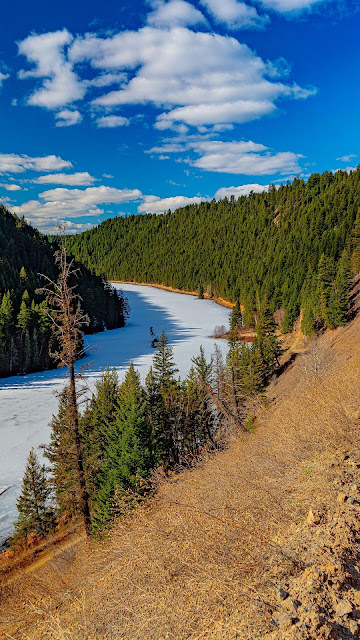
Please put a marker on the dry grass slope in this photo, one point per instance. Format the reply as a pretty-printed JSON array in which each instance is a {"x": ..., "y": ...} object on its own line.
[{"x": 204, "y": 558}]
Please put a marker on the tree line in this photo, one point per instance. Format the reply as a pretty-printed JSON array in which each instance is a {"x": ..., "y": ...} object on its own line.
[
  {"x": 26, "y": 337},
  {"x": 295, "y": 246},
  {"x": 105, "y": 456}
]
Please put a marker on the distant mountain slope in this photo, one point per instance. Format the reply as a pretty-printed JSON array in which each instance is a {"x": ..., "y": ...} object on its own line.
[
  {"x": 25, "y": 331},
  {"x": 266, "y": 245}
]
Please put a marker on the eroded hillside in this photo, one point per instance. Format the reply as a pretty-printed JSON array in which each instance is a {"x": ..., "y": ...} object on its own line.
[{"x": 259, "y": 541}]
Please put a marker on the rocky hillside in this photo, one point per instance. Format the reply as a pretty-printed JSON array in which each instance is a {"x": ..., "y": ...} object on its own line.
[{"x": 260, "y": 541}]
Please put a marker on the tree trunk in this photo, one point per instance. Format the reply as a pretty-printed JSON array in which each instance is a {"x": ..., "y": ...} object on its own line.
[{"x": 84, "y": 497}]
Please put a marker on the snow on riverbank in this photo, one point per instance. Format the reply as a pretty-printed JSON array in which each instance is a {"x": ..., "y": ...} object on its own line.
[{"x": 28, "y": 402}]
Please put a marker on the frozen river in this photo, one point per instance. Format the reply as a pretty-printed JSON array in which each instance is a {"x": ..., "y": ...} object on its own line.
[{"x": 27, "y": 403}]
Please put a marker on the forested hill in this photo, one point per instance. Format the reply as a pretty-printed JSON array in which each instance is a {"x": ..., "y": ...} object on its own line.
[
  {"x": 25, "y": 329},
  {"x": 269, "y": 245}
]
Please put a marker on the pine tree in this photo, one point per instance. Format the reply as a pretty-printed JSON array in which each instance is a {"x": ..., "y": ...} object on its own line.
[
  {"x": 236, "y": 320},
  {"x": 68, "y": 320},
  {"x": 61, "y": 453},
  {"x": 326, "y": 298},
  {"x": 163, "y": 364},
  {"x": 342, "y": 291},
  {"x": 355, "y": 246},
  {"x": 308, "y": 319},
  {"x": 128, "y": 454},
  {"x": 33, "y": 505},
  {"x": 24, "y": 316},
  {"x": 96, "y": 423},
  {"x": 206, "y": 416},
  {"x": 267, "y": 342}
]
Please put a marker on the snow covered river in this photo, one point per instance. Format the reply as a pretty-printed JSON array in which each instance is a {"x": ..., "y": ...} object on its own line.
[{"x": 27, "y": 403}]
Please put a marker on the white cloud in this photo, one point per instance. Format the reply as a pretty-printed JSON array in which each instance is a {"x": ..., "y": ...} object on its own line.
[
  {"x": 347, "y": 158},
  {"x": 230, "y": 157},
  {"x": 107, "y": 79},
  {"x": 242, "y": 190},
  {"x": 68, "y": 117},
  {"x": 287, "y": 6},
  {"x": 244, "y": 157},
  {"x": 12, "y": 163},
  {"x": 235, "y": 14},
  {"x": 80, "y": 179},
  {"x": 176, "y": 13},
  {"x": 112, "y": 121},
  {"x": 63, "y": 203},
  {"x": 199, "y": 78},
  {"x": 3, "y": 76},
  {"x": 61, "y": 85},
  {"x": 347, "y": 169},
  {"x": 11, "y": 187},
  {"x": 154, "y": 204},
  {"x": 51, "y": 225}
]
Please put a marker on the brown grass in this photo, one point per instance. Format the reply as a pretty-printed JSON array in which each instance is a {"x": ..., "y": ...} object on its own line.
[{"x": 205, "y": 551}]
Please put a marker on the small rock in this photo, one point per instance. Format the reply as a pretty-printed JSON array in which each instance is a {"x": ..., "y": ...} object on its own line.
[
  {"x": 313, "y": 517},
  {"x": 356, "y": 597},
  {"x": 341, "y": 497},
  {"x": 354, "y": 628},
  {"x": 282, "y": 619},
  {"x": 343, "y": 608},
  {"x": 292, "y": 606},
  {"x": 281, "y": 594}
]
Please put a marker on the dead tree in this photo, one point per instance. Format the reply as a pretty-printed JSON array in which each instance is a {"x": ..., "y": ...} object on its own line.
[{"x": 68, "y": 320}]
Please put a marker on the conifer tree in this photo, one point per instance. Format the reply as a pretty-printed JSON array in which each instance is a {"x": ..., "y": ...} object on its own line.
[
  {"x": 206, "y": 415},
  {"x": 34, "y": 510},
  {"x": 308, "y": 319},
  {"x": 355, "y": 246},
  {"x": 163, "y": 367},
  {"x": 267, "y": 342},
  {"x": 68, "y": 319},
  {"x": 128, "y": 453},
  {"x": 236, "y": 320},
  {"x": 61, "y": 453}
]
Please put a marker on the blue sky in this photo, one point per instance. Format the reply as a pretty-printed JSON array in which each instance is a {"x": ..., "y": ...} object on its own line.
[{"x": 131, "y": 106}]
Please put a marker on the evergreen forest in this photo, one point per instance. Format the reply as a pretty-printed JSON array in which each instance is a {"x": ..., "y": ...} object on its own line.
[
  {"x": 26, "y": 335},
  {"x": 128, "y": 430},
  {"x": 295, "y": 246}
]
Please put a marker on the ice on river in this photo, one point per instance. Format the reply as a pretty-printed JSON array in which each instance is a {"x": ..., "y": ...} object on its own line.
[{"x": 27, "y": 403}]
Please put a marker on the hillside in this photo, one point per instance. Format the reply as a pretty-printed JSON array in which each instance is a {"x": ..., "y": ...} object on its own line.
[
  {"x": 270, "y": 245},
  {"x": 259, "y": 541},
  {"x": 25, "y": 329}
]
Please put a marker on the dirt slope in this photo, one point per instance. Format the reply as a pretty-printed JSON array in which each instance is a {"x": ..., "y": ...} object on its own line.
[{"x": 207, "y": 557}]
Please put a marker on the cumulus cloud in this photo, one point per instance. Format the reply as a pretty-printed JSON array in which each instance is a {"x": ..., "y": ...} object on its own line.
[
  {"x": 233, "y": 157},
  {"x": 79, "y": 179},
  {"x": 176, "y": 13},
  {"x": 242, "y": 190},
  {"x": 11, "y": 187},
  {"x": 154, "y": 204},
  {"x": 199, "y": 78},
  {"x": 193, "y": 78},
  {"x": 237, "y": 157},
  {"x": 13, "y": 163},
  {"x": 68, "y": 117},
  {"x": 112, "y": 121},
  {"x": 234, "y": 14},
  {"x": 72, "y": 203},
  {"x": 47, "y": 52},
  {"x": 347, "y": 158},
  {"x": 51, "y": 225},
  {"x": 288, "y": 6},
  {"x": 3, "y": 76}
]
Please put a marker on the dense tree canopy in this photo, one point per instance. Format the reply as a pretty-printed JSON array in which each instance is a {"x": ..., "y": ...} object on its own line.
[
  {"x": 263, "y": 246},
  {"x": 25, "y": 329}
]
